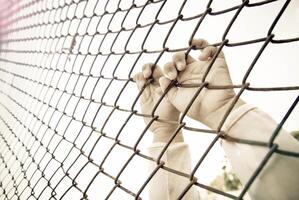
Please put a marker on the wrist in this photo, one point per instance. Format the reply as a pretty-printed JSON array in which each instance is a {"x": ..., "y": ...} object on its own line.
[
  {"x": 216, "y": 117},
  {"x": 163, "y": 136}
]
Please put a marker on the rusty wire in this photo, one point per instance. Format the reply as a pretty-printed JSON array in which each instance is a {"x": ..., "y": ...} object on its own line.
[{"x": 30, "y": 101}]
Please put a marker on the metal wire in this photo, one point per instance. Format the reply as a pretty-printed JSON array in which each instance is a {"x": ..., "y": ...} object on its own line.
[{"x": 39, "y": 78}]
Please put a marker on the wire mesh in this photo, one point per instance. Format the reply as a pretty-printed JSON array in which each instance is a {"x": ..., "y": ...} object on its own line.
[{"x": 66, "y": 70}]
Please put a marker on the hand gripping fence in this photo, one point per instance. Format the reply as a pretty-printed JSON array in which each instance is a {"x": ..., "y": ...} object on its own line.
[{"x": 55, "y": 58}]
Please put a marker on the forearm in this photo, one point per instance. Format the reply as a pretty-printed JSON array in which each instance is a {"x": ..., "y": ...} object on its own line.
[
  {"x": 214, "y": 118},
  {"x": 279, "y": 178},
  {"x": 166, "y": 185}
]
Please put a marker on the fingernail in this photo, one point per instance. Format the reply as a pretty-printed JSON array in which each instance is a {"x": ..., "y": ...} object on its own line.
[
  {"x": 146, "y": 74},
  {"x": 180, "y": 65}
]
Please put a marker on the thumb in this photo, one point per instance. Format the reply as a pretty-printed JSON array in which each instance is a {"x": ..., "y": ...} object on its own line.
[{"x": 165, "y": 84}]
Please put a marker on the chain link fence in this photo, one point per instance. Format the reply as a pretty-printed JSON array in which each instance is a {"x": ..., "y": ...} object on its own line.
[{"x": 67, "y": 96}]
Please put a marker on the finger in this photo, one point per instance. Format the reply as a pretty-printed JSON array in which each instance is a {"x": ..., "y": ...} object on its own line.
[
  {"x": 150, "y": 70},
  {"x": 157, "y": 73},
  {"x": 164, "y": 83},
  {"x": 180, "y": 60},
  {"x": 207, "y": 53},
  {"x": 200, "y": 43},
  {"x": 170, "y": 70},
  {"x": 140, "y": 80},
  {"x": 147, "y": 70}
]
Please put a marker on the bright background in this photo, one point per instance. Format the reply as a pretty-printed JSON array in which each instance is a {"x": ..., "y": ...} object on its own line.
[{"x": 278, "y": 66}]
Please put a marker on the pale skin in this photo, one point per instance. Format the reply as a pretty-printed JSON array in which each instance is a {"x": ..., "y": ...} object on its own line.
[
  {"x": 148, "y": 100},
  {"x": 209, "y": 106},
  {"x": 280, "y": 173}
]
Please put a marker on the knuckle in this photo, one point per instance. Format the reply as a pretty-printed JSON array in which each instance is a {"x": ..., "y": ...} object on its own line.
[
  {"x": 178, "y": 56},
  {"x": 144, "y": 67},
  {"x": 200, "y": 43},
  {"x": 157, "y": 72},
  {"x": 168, "y": 66},
  {"x": 147, "y": 66},
  {"x": 139, "y": 76}
]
